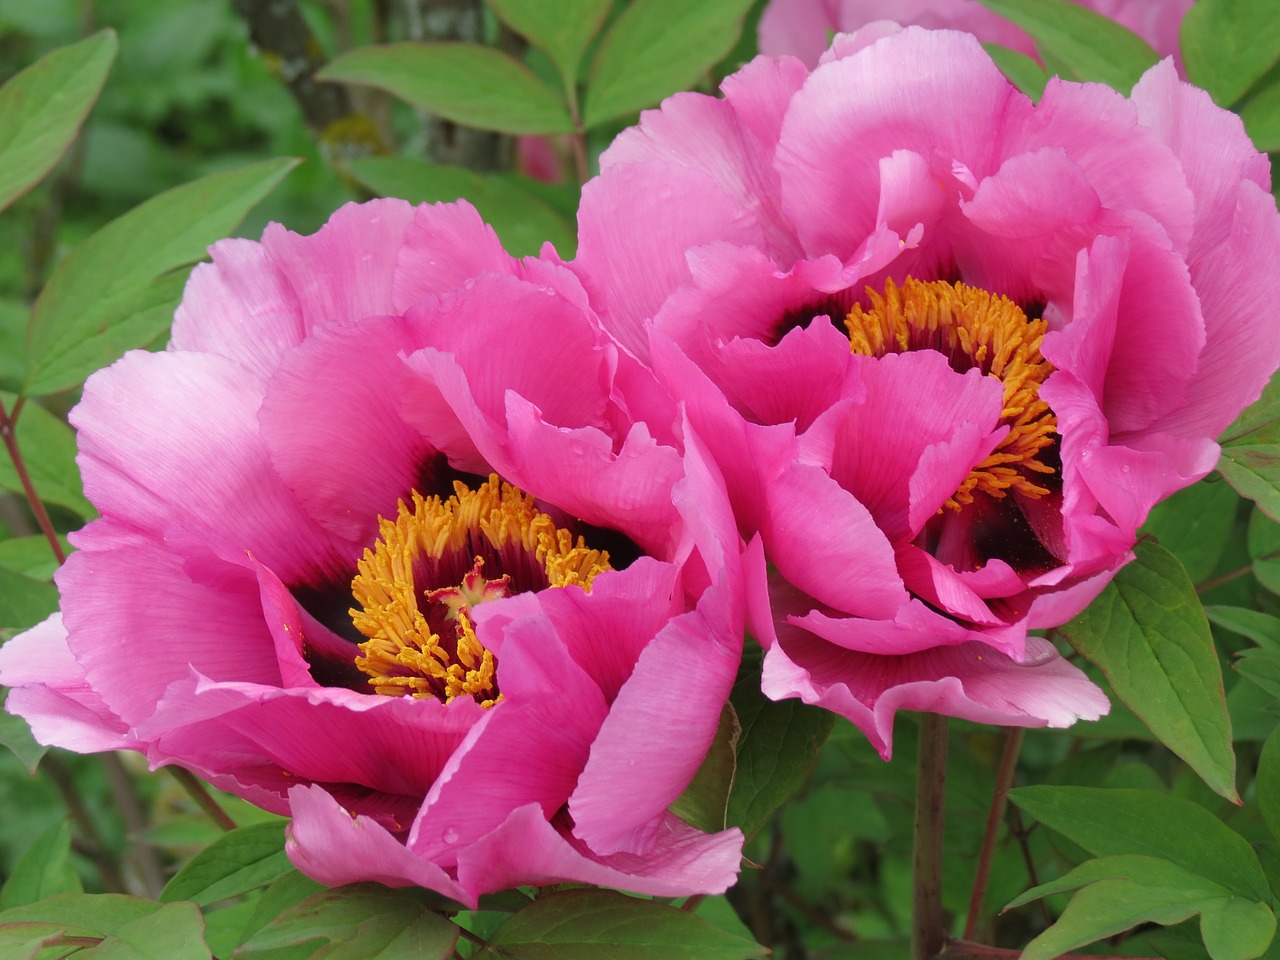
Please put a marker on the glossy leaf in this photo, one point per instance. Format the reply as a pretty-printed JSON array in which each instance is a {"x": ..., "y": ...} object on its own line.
[
  {"x": 467, "y": 83},
  {"x": 1259, "y": 422},
  {"x": 24, "y": 941},
  {"x": 1261, "y": 668},
  {"x": 235, "y": 863},
  {"x": 1235, "y": 929},
  {"x": 24, "y": 601},
  {"x": 42, "y": 107},
  {"x": 1229, "y": 44},
  {"x": 522, "y": 221},
  {"x": 358, "y": 922},
  {"x": 174, "y": 932},
  {"x": 1268, "y": 783},
  {"x": 1091, "y": 45},
  {"x": 16, "y": 735},
  {"x": 1254, "y": 471},
  {"x": 778, "y": 743},
  {"x": 1148, "y": 633},
  {"x": 93, "y": 914},
  {"x": 1023, "y": 72},
  {"x": 1147, "y": 871},
  {"x": 705, "y": 801},
  {"x": 655, "y": 48},
  {"x": 48, "y": 448},
  {"x": 1261, "y": 116},
  {"x": 588, "y": 924},
  {"x": 563, "y": 29},
  {"x": 31, "y": 556},
  {"x": 85, "y": 316},
  {"x": 1262, "y": 628},
  {"x": 1194, "y": 525},
  {"x": 44, "y": 870},
  {"x": 1110, "y": 822}
]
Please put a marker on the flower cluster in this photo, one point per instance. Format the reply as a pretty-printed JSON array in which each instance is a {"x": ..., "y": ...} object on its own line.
[{"x": 450, "y": 555}]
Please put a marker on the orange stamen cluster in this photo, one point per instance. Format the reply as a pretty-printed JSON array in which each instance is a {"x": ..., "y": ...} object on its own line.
[
  {"x": 973, "y": 329},
  {"x": 404, "y": 655}
]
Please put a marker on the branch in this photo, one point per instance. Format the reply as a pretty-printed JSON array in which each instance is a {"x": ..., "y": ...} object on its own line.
[
  {"x": 999, "y": 800},
  {"x": 928, "y": 921},
  {"x": 293, "y": 54},
  {"x": 9, "y": 434}
]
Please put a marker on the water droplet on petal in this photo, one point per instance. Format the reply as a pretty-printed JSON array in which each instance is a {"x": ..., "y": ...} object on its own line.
[{"x": 450, "y": 836}]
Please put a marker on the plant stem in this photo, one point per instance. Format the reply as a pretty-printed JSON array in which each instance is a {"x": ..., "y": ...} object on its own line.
[
  {"x": 9, "y": 435},
  {"x": 203, "y": 798},
  {"x": 928, "y": 922},
  {"x": 51, "y": 765},
  {"x": 129, "y": 804},
  {"x": 999, "y": 800}
]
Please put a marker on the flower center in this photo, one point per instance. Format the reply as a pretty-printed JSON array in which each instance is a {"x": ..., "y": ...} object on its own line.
[
  {"x": 431, "y": 565},
  {"x": 972, "y": 328}
]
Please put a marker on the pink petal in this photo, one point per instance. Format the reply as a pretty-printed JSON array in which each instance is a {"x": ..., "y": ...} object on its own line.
[
  {"x": 528, "y": 850},
  {"x": 971, "y": 681},
  {"x": 862, "y": 108},
  {"x": 330, "y": 845},
  {"x": 343, "y": 271},
  {"x": 825, "y": 541},
  {"x": 446, "y": 245},
  {"x": 172, "y": 439},
  {"x": 659, "y": 728},
  {"x": 322, "y": 442},
  {"x": 529, "y": 748},
  {"x": 50, "y": 692},
  {"x": 634, "y": 226}
]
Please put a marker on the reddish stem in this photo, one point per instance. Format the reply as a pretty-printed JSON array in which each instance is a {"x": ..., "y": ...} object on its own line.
[
  {"x": 999, "y": 801},
  {"x": 928, "y": 921},
  {"x": 9, "y": 435}
]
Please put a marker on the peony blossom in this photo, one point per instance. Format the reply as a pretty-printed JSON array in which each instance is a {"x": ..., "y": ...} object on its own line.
[
  {"x": 384, "y": 547},
  {"x": 947, "y": 346},
  {"x": 800, "y": 28}
]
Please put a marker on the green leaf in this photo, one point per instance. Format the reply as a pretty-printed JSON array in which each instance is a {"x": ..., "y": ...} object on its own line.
[
  {"x": 44, "y": 870},
  {"x": 1262, "y": 668},
  {"x": 174, "y": 932},
  {"x": 1261, "y": 116},
  {"x": 522, "y": 221},
  {"x": 235, "y": 863},
  {"x": 1194, "y": 525},
  {"x": 119, "y": 273},
  {"x": 24, "y": 602},
  {"x": 1109, "y": 907},
  {"x": 655, "y": 48},
  {"x": 42, "y": 107},
  {"x": 23, "y": 941},
  {"x": 1262, "y": 628},
  {"x": 463, "y": 82},
  {"x": 98, "y": 914},
  {"x": 1268, "y": 783},
  {"x": 1254, "y": 470},
  {"x": 1023, "y": 72},
  {"x": 1091, "y": 45},
  {"x": 1260, "y": 421},
  {"x": 1148, "y": 633},
  {"x": 1115, "y": 822},
  {"x": 1236, "y": 929},
  {"x": 358, "y": 922},
  {"x": 16, "y": 735},
  {"x": 1228, "y": 44},
  {"x": 1143, "y": 870},
  {"x": 705, "y": 801},
  {"x": 779, "y": 740},
  {"x": 31, "y": 556},
  {"x": 589, "y": 924},
  {"x": 562, "y": 29},
  {"x": 48, "y": 448},
  {"x": 1263, "y": 541}
]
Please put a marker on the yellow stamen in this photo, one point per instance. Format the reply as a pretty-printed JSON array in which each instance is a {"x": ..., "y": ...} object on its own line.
[
  {"x": 404, "y": 654},
  {"x": 972, "y": 328}
]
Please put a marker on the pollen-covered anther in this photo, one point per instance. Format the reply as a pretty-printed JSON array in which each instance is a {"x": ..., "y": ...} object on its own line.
[
  {"x": 418, "y": 584},
  {"x": 973, "y": 328}
]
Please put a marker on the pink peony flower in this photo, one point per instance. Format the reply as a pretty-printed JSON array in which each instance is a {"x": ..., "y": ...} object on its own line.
[
  {"x": 383, "y": 546},
  {"x": 801, "y": 28},
  {"x": 947, "y": 346}
]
